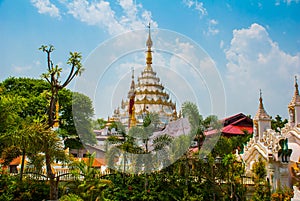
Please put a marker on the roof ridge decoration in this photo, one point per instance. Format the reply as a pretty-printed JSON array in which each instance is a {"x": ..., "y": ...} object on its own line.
[{"x": 261, "y": 112}]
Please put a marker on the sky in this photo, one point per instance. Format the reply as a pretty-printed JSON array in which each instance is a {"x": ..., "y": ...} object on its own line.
[{"x": 218, "y": 54}]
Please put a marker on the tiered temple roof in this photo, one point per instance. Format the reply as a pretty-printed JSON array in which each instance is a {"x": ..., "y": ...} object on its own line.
[{"x": 148, "y": 95}]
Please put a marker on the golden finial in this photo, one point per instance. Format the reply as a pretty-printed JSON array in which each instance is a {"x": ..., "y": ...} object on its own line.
[
  {"x": 149, "y": 41},
  {"x": 149, "y": 51}
]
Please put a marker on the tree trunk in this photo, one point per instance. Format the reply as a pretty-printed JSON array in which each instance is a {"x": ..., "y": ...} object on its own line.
[
  {"x": 22, "y": 164},
  {"x": 51, "y": 176}
]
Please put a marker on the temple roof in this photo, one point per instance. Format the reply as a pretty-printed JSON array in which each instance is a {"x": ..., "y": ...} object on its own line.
[{"x": 234, "y": 125}]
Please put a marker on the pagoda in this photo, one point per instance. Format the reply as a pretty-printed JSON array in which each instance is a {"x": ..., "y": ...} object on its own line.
[{"x": 148, "y": 95}]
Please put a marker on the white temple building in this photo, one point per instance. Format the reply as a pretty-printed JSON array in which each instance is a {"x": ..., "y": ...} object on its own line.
[
  {"x": 145, "y": 96},
  {"x": 279, "y": 150}
]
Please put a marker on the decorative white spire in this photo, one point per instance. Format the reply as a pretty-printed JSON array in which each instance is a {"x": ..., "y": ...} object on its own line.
[
  {"x": 261, "y": 113},
  {"x": 296, "y": 98}
]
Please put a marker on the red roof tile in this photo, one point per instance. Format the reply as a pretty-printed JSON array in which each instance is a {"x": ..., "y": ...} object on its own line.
[{"x": 236, "y": 130}]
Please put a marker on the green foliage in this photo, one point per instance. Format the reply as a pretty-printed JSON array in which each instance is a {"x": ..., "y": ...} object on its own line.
[
  {"x": 259, "y": 170},
  {"x": 282, "y": 194},
  {"x": 71, "y": 197},
  {"x": 12, "y": 189},
  {"x": 262, "y": 187},
  {"x": 91, "y": 186},
  {"x": 190, "y": 111},
  {"x": 28, "y": 98},
  {"x": 227, "y": 145},
  {"x": 278, "y": 123},
  {"x": 99, "y": 124},
  {"x": 82, "y": 115}
]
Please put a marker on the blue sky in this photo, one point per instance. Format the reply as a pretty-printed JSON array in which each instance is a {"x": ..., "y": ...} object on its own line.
[{"x": 253, "y": 44}]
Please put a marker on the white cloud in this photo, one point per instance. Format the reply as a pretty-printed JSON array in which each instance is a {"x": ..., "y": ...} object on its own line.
[
  {"x": 100, "y": 13},
  {"x": 288, "y": 2},
  {"x": 198, "y": 6},
  {"x": 256, "y": 61},
  {"x": 212, "y": 30},
  {"x": 221, "y": 44},
  {"x": 124, "y": 15},
  {"x": 46, "y": 7}
]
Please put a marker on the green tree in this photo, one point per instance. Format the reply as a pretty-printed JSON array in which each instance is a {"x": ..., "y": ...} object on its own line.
[
  {"x": 52, "y": 76},
  {"x": 99, "y": 123},
  {"x": 234, "y": 170},
  {"x": 88, "y": 184},
  {"x": 22, "y": 140},
  {"x": 262, "y": 187},
  {"x": 33, "y": 93},
  {"x": 277, "y": 123},
  {"x": 76, "y": 120},
  {"x": 29, "y": 98}
]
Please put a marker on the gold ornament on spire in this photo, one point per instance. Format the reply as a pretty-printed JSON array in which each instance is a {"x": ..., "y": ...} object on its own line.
[{"x": 149, "y": 51}]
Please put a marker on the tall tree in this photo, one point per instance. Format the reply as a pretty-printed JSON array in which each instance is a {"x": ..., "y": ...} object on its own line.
[
  {"x": 52, "y": 76},
  {"x": 190, "y": 111}
]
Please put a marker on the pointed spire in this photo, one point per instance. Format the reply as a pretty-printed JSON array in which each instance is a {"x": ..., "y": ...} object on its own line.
[
  {"x": 132, "y": 86},
  {"x": 296, "y": 98},
  {"x": 149, "y": 51},
  {"x": 261, "y": 106},
  {"x": 261, "y": 113},
  {"x": 149, "y": 41},
  {"x": 132, "y": 78},
  {"x": 296, "y": 86}
]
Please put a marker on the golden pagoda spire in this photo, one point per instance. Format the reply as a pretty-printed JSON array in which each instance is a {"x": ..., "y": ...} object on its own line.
[{"x": 149, "y": 51}]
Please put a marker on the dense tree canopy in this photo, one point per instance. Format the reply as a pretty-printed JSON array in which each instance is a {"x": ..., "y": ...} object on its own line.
[{"x": 28, "y": 98}]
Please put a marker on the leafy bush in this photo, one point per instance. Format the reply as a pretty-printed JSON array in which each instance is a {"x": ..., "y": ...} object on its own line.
[{"x": 11, "y": 188}]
